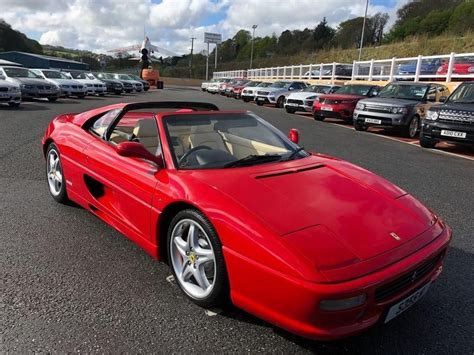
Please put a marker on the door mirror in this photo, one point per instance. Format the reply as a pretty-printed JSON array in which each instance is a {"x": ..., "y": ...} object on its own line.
[
  {"x": 431, "y": 98},
  {"x": 291, "y": 88},
  {"x": 138, "y": 150},
  {"x": 443, "y": 99},
  {"x": 294, "y": 135}
]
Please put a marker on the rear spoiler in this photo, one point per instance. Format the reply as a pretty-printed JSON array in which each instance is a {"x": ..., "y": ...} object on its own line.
[{"x": 195, "y": 106}]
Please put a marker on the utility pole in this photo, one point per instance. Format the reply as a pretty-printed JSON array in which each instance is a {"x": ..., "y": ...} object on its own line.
[
  {"x": 215, "y": 58},
  {"x": 363, "y": 30},
  {"x": 191, "y": 58},
  {"x": 251, "y": 50}
]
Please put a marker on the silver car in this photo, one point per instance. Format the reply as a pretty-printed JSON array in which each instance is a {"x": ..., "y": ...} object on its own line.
[
  {"x": 9, "y": 92},
  {"x": 137, "y": 86},
  {"x": 303, "y": 100},
  {"x": 68, "y": 87},
  {"x": 276, "y": 93},
  {"x": 32, "y": 86}
]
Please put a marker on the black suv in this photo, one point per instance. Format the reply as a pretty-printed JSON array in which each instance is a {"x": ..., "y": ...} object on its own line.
[{"x": 453, "y": 120}]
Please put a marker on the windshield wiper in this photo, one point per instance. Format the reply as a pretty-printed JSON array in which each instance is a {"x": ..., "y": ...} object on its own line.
[
  {"x": 293, "y": 154},
  {"x": 252, "y": 159}
]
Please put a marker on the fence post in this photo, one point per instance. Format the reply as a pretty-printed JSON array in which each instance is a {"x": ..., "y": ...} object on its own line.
[
  {"x": 310, "y": 72},
  {"x": 321, "y": 71},
  {"x": 333, "y": 73},
  {"x": 353, "y": 70},
  {"x": 392, "y": 68},
  {"x": 450, "y": 67},
  {"x": 418, "y": 68},
  {"x": 371, "y": 69}
]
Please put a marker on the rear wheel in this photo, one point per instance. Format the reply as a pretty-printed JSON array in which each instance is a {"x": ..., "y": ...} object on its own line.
[
  {"x": 54, "y": 175},
  {"x": 290, "y": 110},
  {"x": 359, "y": 126},
  {"x": 13, "y": 104},
  {"x": 52, "y": 99},
  {"x": 196, "y": 258}
]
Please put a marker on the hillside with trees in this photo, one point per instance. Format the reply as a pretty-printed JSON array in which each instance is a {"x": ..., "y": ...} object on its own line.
[{"x": 11, "y": 40}]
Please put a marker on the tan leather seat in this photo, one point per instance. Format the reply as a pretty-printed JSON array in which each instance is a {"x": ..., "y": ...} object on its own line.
[
  {"x": 146, "y": 133},
  {"x": 205, "y": 135}
]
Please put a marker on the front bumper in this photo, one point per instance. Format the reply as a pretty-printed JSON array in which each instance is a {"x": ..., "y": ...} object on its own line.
[
  {"x": 432, "y": 130},
  {"x": 265, "y": 99},
  {"x": 301, "y": 105},
  {"x": 293, "y": 304},
  {"x": 386, "y": 119},
  {"x": 39, "y": 94},
  {"x": 73, "y": 92},
  {"x": 10, "y": 97}
]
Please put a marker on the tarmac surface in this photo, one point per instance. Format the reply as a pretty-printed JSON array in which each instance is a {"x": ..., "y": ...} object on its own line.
[{"x": 69, "y": 282}]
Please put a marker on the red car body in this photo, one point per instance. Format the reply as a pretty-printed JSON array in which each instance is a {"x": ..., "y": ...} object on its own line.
[
  {"x": 286, "y": 249},
  {"x": 458, "y": 68}
]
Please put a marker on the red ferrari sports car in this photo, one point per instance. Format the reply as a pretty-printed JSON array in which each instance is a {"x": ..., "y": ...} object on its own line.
[{"x": 311, "y": 243}]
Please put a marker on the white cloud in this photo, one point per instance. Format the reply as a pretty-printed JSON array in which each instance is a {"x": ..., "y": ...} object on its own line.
[{"x": 100, "y": 25}]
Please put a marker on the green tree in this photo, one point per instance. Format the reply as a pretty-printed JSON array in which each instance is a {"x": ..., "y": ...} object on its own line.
[
  {"x": 462, "y": 19},
  {"x": 323, "y": 34}
]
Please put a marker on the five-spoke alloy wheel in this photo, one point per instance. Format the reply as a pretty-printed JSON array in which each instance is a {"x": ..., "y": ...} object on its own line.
[{"x": 54, "y": 174}]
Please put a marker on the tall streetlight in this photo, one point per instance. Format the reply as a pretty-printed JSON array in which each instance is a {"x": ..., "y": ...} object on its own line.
[
  {"x": 363, "y": 30},
  {"x": 191, "y": 58},
  {"x": 251, "y": 51}
]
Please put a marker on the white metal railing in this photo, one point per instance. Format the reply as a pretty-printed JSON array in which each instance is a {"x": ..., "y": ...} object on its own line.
[{"x": 446, "y": 67}]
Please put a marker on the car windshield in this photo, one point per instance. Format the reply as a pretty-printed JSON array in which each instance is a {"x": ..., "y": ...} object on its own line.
[
  {"x": 124, "y": 77},
  {"x": 134, "y": 77},
  {"x": 21, "y": 73},
  {"x": 361, "y": 90},
  {"x": 106, "y": 76},
  {"x": 78, "y": 75},
  {"x": 408, "y": 92},
  {"x": 224, "y": 140},
  {"x": 51, "y": 74},
  {"x": 91, "y": 76},
  {"x": 463, "y": 94},
  {"x": 318, "y": 89},
  {"x": 280, "y": 84},
  {"x": 264, "y": 85}
]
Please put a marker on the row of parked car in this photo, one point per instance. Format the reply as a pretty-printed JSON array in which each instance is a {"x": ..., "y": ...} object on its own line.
[
  {"x": 17, "y": 83},
  {"x": 427, "y": 110}
]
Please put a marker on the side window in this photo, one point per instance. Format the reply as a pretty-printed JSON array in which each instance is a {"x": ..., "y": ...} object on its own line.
[
  {"x": 100, "y": 125},
  {"x": 138, "y": 129}
]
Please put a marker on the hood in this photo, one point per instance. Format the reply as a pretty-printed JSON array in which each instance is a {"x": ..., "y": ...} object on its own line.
[
  {"x": 8, "y": 84},
  {"x": 30, "y": 81},
  {"x": 302, "y": 95},
  {"x": 342, "y": 97},
  {"x": 466, "y": 107},
  {"x": 89, "y": 81},
  {"x": 356, "y": 207},
  {"x": 385, "y": 101},
  {"x": 64, "y": 81},
  {"x": 272, "y": 90}
]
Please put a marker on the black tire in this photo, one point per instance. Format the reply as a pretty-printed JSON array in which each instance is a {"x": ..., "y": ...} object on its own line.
[
  {"x": 52, "y": 99},
  {"x": 408, "y": 131},
  {"x": 14, "y": 104},
  {"x": 280, "y": 102},
  {"x": 290, "y": 110},
  {"x": 82, "y": 96},
  {"x": 245, "y": 99},
  {"x": 318, "y": 117},
  {"x": 220, "y": 292},
  {"x": 62, "y": 196},
  {"x": 426, "y": 142},
  {"x": 359, "y": 126},
  {"x": 259, "y": 103},
  {"x": 101, "y": 94}
]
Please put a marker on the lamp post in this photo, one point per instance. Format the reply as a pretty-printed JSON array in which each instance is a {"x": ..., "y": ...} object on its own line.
[
  {"x": 251, "y": 50},
  {"x": 363, "y": 30}
]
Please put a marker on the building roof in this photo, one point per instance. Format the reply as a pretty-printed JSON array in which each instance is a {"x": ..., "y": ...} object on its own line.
[
  {"x": 7, "y": 62},
  {"x": 46, "y": 57}
]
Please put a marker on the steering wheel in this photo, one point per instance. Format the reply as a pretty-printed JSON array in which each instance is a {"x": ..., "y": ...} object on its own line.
[{"x": 192, "y": 150}]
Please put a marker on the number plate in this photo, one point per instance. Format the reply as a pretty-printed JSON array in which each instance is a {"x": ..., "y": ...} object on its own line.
[
  {"x": 260, "y": 99},
  {"x": 455, "y": 134},
  {"x": 326, "y": 108},
  {"x": 406, "y": 303},
  {"x": 4, "y": 95},
  {"x": 371, "y": 120},
  {"x": 291, "y": 104}
]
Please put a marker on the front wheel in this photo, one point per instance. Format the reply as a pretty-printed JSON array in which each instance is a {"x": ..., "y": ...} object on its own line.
[
  {"x": 359, "y": 126},
  {"x": 196, "y": 259},
  {"x": 427, "y": 142},
  {"x": 280, "y": 102},
  {"x": 246, "y": 100},
  {"x": 54, "y": 174},
  {"x": 52, "y": 99},
  {"x": 14, "y": 104},
  {"x": 290, "y": 110},
  {"x": 318, "y": 117},
  {"x": 413, "y": 127},
  {"x": 259, "y": 103}
]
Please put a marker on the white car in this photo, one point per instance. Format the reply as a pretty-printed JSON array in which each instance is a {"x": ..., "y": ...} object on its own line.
[
  {"x": 67, "y": 87},
  {"x": 303, "y": 100},
  {"x": 249, "y": 92},
  {"x": 205, "y": 84},
  {"x": 94, "y": 86},
  {"x": 213, "y": 87},
  {"x": 276, "y": 93},
  {"x": 137, "y": 86},
  {"x": 10, "y": 93}
]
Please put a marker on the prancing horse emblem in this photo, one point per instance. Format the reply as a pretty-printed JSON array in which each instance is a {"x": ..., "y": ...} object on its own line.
[{"x": 395, "y": 236}]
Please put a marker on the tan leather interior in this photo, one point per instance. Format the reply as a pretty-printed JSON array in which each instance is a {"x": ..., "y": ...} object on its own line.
[
  {"x": 146, "y": 133},
  {"x": 205, "y": 135}
]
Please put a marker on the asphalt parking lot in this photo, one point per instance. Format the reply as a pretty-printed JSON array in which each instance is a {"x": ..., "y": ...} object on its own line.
[{"x": 71, "y": 283}]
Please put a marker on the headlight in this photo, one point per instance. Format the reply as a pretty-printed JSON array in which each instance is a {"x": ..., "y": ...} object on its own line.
[
  {"x": 271, "y": 97},
  {"x": 432, "y": 115},
  {"x": 470, "y": 69},
  {"x": 360, "y": 106},
  {"x": 14, "y": 89},
  {"x": 342, "y": 304},
  {"x": 347, "y": 101},
  {"x": 311, "y": 97},
  {"x": 26, "y": 86},
  {"x": 398, "y": 110}
]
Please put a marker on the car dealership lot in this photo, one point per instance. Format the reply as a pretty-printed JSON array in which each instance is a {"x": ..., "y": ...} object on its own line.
[{"x": 70, "y": 282}]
